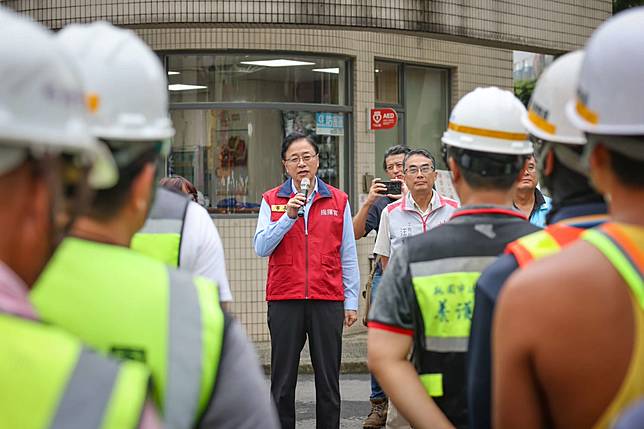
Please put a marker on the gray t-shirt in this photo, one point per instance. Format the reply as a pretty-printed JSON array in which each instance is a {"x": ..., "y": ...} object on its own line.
[
  {"x": 395, "y": 299},
  {"x": 241, "y": 399}
]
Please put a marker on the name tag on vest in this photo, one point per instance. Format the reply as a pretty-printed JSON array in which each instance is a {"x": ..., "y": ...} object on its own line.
[
  {"x": 128, "y": 353},
  {"x": 329, "y": 212},
  {"x": 278, "y": 208}
]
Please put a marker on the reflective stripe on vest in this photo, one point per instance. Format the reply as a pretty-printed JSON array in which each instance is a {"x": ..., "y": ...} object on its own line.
[
  {"x": 433, "y": 384},
  {"x": 67, "y": 387},
  {"x": 191, "y": 373},
  {"x": 622, "y": 254},
  {"x": 138, "y": 308},
  {"x": 542, "y": 243},
  {"x": 160, "y": 237},
  {"x": 444, "y": 291},
  {"x": 184, "y": 367}
]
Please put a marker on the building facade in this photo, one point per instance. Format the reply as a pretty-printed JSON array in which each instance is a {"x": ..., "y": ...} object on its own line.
[{"x": 244, "y": 73}]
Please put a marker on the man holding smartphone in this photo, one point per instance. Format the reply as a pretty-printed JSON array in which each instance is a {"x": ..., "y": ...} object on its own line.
[
  {"x": 366, "y": 220},
  {"x": 420, "y": 209},
  {"x": 368, "y": 217}
]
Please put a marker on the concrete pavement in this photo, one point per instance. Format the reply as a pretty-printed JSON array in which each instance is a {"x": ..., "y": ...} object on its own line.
[{"x": 354, "y": 391}]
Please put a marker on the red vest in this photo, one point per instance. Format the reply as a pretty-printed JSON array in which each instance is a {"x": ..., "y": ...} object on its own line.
[{"x": 307, "y": 265}]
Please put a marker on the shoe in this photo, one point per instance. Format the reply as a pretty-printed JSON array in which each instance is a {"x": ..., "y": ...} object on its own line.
[{"x": 377, "y": 418}]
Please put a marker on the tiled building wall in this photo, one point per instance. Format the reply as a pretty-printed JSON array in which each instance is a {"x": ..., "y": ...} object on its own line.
[{"x": 547, "y": 25}]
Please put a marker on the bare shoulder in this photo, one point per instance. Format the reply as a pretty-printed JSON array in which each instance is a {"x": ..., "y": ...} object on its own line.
[
  {"x": 577, "y": 263},
  {"x": 548, "y": 288},
  {"x": 559, "y": 317}
]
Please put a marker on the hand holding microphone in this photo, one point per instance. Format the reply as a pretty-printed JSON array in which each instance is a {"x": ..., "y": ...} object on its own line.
[
  {"x": 295, "y": 205},
  {"x": 304, "y": 188}
]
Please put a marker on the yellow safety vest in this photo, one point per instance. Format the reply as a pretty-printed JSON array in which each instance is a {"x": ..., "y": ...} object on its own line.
[
  {"x": 444, "y": 290},
  {"x": 160, "y": 237},
  {"x": 49, "y": 380},
  {"x": 543, "y": 243},
  {"x": 129, "y": 305}
]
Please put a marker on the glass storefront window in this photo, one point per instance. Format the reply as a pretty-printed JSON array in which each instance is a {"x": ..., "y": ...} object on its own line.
[
  {"x": 386, "y": 77},
  {"x": 422, "y": 106},
  {"x": 426, "y": 107},
  {"x": 233, "y": 156},
  {"x": 231, "y": 113},
  {"x": 256, "y": 78}
]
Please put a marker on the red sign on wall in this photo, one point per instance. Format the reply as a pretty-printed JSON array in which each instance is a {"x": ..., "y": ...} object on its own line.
[{"x": 382, "y": 119}]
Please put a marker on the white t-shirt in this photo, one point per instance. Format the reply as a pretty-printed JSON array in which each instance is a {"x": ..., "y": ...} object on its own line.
[{"x": 202, "y": 252}]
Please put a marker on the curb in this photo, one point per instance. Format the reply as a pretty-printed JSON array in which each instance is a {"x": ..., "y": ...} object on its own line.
[{"x": 349, "y": 367}]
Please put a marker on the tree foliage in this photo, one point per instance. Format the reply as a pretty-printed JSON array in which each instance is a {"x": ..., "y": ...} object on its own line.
[
  {"x": 523, "y": 90},
  {"x": 620, "y": 5}
]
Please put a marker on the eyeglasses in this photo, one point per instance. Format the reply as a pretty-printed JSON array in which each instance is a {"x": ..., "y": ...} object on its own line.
[
  {"x": 397, "y": 165},
  {"x": 425, "y": 169},
  {"x": 306, "y": 158}
]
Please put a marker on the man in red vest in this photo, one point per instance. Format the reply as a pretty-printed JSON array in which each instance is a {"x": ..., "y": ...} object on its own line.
[{"x": 313, "y": 279}]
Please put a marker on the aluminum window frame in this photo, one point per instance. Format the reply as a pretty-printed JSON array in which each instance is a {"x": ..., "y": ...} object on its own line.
[{"x": 402, "y": 86}]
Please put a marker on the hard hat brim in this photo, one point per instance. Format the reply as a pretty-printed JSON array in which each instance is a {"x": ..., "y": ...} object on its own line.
[
  {"x": 10, "y": 158},
  {"x": 103, "y": 173},
  {"x": 519, "y": 147},
  {"x": 543, "y": 135},
  {"x": 110, "y": 133},
  {"x": 612, "y": 130}
]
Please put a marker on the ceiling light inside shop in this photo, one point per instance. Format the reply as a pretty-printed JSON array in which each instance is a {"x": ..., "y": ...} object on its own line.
[
  {"x": 278, "y": 63},
  {"x": 172, "y": 73},
  {"x": 334, "y": 70},
  {"x": 183, "y": 87},
  {"x": 377, "y": 71}
]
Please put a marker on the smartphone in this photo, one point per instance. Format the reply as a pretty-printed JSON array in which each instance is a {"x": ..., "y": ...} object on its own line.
[
  {"x": 393, "y": 188},
  {"x": 366, "y": 182}
]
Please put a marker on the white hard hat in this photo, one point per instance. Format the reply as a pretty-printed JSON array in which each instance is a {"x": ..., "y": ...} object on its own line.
[
  {"x": 488, "y": 120},
  {"x": 609, "y": 97},
  {"x": 127, "y": 91},
  {"x": 41, "y": 101},
  {"x": 546, "y": 118}
]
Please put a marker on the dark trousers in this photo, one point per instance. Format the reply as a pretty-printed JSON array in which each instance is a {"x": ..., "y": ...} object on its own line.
[{"x": 290, "y": 322}]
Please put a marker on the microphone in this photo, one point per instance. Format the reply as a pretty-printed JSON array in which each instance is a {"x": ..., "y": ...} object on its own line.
[{"x": 304, "y": 188}]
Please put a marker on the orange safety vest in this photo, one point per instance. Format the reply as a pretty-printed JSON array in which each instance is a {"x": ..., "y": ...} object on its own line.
[
  {"x": 542, "y": 243},
  {"x": 626, "y": 254}
]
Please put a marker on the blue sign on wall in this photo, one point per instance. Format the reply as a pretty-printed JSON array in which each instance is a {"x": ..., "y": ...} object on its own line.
[{"x": 329, "y": 124}]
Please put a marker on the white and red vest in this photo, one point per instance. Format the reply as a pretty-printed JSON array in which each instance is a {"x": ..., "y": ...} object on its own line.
[{"x": 405, "y": 221}]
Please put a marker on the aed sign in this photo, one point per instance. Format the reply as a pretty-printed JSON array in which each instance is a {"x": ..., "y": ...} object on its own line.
[{"x": 382, "y": 119}]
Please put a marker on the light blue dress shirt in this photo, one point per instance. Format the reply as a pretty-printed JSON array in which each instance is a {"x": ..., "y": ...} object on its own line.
[
  {"x": 268, "y": 236},
  {"x": 538, "y": 217}
]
